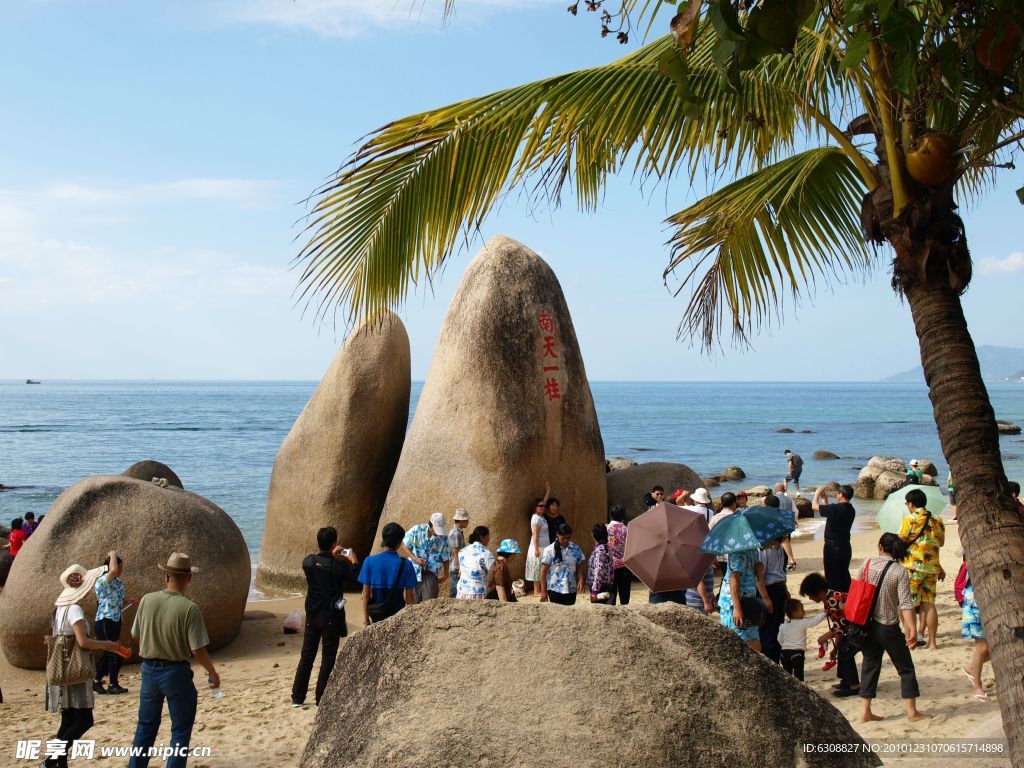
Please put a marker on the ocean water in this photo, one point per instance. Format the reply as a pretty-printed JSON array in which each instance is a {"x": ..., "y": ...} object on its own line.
[{"x": 221, "y": 437}]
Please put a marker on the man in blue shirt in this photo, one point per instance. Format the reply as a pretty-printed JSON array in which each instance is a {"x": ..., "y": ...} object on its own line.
[
  {"x": 426, "y": 545},
  {"x": 386, "y": 576}
]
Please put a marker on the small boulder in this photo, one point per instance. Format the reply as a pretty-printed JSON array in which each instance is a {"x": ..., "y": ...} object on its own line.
[
  {"x": 824, "y": 456},
  {"x": 628, "y": 486},
  {"x": 148, "y": 470},
  {"x": 1008, "y": 428},
  {"x": 758, "y": 490},
  {"x": 867, "y": 479},
  {"x": 615, "y": 463},
  {"x": 145, "y": 523},
  {"x": 712, "y": 482},
  {"x": 785, "y": 431},
  {"x": 889, "y": 482},
  {"x": 733, "y": 473},
  {"x": 928, "y": 467},
  {"x": 803, "y": 507},
  {"x": 890, "y": 463},
  {"x": 806, "y": 431}
]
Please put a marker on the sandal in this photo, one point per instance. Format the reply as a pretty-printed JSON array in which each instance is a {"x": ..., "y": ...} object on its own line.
[
  {"x": 982, "y": 697},
  {"x": 969, "y": 675}
]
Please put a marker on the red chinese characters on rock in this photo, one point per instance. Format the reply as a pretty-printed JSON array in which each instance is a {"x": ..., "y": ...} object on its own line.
[{"x": 549, "y": 359}]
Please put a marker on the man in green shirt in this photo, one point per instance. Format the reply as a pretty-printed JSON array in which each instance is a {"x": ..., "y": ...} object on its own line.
[{"x": 170, "y": 631}]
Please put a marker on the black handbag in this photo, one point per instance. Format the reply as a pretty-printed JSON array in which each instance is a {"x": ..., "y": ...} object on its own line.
[
  {"x": 853, "y": 641},
  {"x": 755, "y": 612},
  {"x": 390, "y": 605}
]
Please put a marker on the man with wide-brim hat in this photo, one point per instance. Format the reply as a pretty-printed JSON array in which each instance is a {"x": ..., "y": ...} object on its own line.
[{"x": 170, "y": 631}]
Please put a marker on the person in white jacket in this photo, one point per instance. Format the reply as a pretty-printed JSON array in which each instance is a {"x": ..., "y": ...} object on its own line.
[{"x": 793, "y": 637}]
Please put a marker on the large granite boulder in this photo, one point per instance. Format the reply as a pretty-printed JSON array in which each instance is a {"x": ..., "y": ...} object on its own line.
[
  {"x": 150, "y": 470},
  {"x": 865, "y": 487},
  {"x": 336, "y": 464},
  {"x": 628, "y": 486},
  {"x": 144, "y": 523},
  {"x": 686, "y": 693},
  {"x": 506, "y": 405}
]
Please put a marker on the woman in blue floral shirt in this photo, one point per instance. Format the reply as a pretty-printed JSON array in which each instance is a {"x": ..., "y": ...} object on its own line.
[
  {"x": 474, "y": 563},
  {"x": 561, "y": 570},
  {"x": 740, "y": 579},
  {"x": 601, "y": 571}
]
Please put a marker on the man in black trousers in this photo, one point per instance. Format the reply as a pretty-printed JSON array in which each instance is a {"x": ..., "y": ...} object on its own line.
[
  {"x": 326, "y": 574},
  {"x": 837, "y": 551}
]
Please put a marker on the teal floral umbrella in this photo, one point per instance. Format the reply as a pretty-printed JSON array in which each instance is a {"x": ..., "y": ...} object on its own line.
[{"x": 750, "y": 529}]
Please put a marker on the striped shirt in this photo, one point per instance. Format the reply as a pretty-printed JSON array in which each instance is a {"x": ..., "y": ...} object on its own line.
[{"x": 893, "y": 593}]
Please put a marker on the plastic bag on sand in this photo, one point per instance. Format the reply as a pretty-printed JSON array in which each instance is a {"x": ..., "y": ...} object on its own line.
[{"x": 293, "y": 622}]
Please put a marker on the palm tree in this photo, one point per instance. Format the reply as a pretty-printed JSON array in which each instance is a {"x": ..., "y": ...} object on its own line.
[{"x": 931, "y": 98}]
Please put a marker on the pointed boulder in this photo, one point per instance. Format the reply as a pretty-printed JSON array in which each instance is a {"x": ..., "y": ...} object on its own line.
[
  {"x": 336, "y": 463},
  {"x": 506, "y": 406}
]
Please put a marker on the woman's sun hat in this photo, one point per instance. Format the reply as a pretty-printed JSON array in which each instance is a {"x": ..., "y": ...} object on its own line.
[
  {"x": 178, "y": 564},
  {"x": 77, "y": 583},
  {"x": 701, "y": 496},
  {"x": 509, "y": 547}
]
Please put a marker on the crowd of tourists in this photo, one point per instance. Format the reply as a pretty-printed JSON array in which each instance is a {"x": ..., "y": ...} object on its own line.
[{"x": 753, "y": 601}]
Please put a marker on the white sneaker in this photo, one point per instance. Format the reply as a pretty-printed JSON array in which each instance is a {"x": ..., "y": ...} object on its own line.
[{"x": 297, "y": 706}]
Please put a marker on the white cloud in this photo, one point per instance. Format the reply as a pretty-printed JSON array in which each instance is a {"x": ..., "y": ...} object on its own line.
[
  {"x": 42, "y": 273},
  {"x": 247, "y": 193},
  {"x": 350, "y": 18},
  {"x": 1011, "y": 263}
]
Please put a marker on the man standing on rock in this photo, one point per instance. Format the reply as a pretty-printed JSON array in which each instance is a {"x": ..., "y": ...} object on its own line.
[
  {"x": 794, "y": 468},
  {"x": 456, "y": 541},
  {"x": 170, "y": 631},
  {"x": 426, "y": 545},
  {"x": 837, "y": 551}
]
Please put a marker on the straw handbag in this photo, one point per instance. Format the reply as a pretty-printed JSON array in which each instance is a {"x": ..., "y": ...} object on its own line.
[{"x": 67, "y": 663}]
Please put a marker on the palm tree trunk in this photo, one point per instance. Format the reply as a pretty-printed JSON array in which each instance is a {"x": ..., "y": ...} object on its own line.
[{"x": 991, "y": 529}]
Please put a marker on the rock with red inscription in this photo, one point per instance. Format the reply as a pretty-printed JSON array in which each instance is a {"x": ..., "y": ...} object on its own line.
[{"x": 506, "y": 405}]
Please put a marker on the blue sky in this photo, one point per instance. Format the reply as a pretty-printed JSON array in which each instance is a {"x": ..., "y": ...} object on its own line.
[{"x": 155, "y": 156}]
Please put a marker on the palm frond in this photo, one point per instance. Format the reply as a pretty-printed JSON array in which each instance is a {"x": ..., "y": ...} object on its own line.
[
  {"x": 392, "y": 215},
  {"x": 775, "y": 231}
]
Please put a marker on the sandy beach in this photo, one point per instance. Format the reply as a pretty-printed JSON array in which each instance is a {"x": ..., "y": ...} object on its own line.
[{"x": 254, "y": 726}]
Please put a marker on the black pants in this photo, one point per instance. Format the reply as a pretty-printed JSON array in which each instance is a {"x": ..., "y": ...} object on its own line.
[
  {"x": 793, "y": 663},
  {"x": 623, "y": 583},
  {"x": 887, "y": 638},
  {"x": 109, "y": 664},
  {"x": 846, "y": 666},
  {"x": 327, "y": 627},
  {"x": 837, "y": 555},
  {"x": 73, "y": 725},
  {"x": 559, "y": 599},
  {"x": 769, "y": 631}
]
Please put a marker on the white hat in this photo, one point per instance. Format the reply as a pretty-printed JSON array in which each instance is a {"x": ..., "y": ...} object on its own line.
[
  {"x": 701, "y": 496},
  {"x": 77, "y": 583},
  {"x": 437, "y": 521},
  {"x": 460, "y": 514},
  {"x": 913, "y": 462}
]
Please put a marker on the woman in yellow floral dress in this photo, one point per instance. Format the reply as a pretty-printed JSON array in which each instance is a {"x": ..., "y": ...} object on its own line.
[{"x": 923, "y": 533}]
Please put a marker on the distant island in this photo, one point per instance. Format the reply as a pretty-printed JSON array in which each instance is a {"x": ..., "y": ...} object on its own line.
[{"x": 997, "y": 364}]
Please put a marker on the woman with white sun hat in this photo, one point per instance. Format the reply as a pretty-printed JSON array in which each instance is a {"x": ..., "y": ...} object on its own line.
[{"x": 74, "y": 702}]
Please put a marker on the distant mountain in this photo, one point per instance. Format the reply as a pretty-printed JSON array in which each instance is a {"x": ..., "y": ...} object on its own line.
[{"x": 996, "y": 363}]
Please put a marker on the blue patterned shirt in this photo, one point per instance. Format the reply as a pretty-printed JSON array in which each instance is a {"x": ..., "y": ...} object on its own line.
[
  {"x": 562, "y": 574},
  {"x": 109, "y": 598},
  {"x": 422, "y": 542},
  {"x": 474, "y": 563}
]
